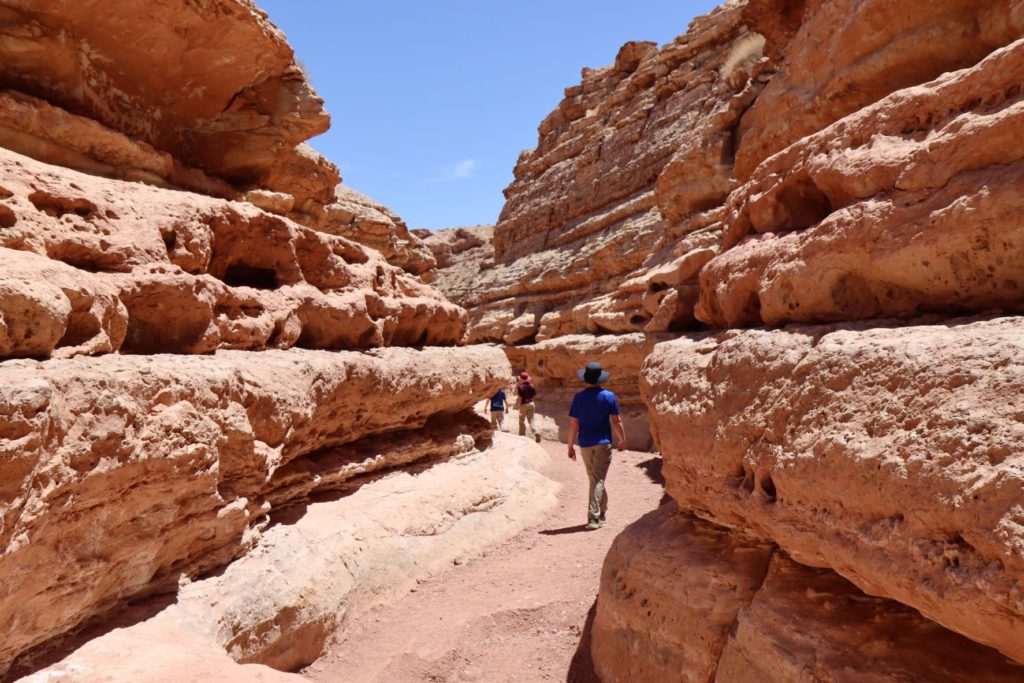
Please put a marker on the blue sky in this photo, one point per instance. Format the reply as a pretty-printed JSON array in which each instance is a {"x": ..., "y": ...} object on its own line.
[{"x": 432, "y": 102}]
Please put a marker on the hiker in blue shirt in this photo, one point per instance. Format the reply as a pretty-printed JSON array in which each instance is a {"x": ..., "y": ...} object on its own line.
[
  {"x": 497, "y": 403},
  {"x": 594, "y": 412}
]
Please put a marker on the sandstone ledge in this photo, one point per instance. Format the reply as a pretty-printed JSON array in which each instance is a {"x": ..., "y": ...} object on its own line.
[
  {"x": 121, "y": 474},
  {"x": 279, "y": 604},
  {"x": 191, "y": 274},
  {"x": 884, "y": 453}
]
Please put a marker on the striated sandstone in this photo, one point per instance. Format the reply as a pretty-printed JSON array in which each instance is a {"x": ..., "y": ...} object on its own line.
[
  {"x": 610, "y": 218},
  {"x": 884, "y": 453},
  {"x": 194, "y": 273},
  {"x": 841, "y": 55},
  {"x": 214, "y": 84},
  {"x": 909, "y": 205},
  {"x": 49, "y": 134},
  {"x": 359, "y": 218},
  {"x": 461, "y": 254},
  {"x": 552, "y": 365},
  {"x": 101, "y": 460},
  {"x": 278, "y": 605}
]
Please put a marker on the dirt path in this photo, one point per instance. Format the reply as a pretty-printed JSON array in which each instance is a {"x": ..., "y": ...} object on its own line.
[{"x": 516, "y": 614}]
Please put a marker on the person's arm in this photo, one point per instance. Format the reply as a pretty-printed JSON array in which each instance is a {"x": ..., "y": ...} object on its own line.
[
  {"x": 620, "y": 432},
  {"x": 487, "y": 405},
  {"x": 574, "y": 429}
]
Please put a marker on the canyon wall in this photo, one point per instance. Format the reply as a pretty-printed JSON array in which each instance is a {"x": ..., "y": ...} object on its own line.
[
  {"x": 227, "y": 424},
  {"x": 838, "y": 445},
  {"x": 842, "y": 177},
  {"x": 205, "y": 97}
]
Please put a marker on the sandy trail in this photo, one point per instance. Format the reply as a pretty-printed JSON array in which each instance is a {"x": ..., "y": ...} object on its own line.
[{"x": 515, "y": 614}]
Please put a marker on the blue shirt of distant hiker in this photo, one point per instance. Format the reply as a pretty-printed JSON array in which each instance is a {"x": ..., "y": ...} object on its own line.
[
  {"x": 593, "y": 407},
  {"x": 498, "y": 401}
]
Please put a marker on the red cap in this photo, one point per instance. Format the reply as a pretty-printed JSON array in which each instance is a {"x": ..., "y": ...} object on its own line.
[{"x": 525, "y": 376}]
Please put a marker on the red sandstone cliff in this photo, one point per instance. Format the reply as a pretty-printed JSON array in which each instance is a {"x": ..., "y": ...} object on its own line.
[
  {"x": 204, "y": 395},
  {"x": 851, "y": 166}
]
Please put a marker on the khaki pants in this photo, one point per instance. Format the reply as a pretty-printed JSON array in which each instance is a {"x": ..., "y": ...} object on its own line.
[
  {"x": 497, "y": 419},
  {"x": 597, "y": 460},
  {"x": 526, "y": 416}
]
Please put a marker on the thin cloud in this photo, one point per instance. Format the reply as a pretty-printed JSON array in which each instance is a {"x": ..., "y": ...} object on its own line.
[{"x": 457, "y": 171}]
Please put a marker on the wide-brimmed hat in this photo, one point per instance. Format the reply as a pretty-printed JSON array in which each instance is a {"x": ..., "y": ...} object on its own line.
[
  {"x": 593, "y": 373},
  {"x": 524, "y": 376}
]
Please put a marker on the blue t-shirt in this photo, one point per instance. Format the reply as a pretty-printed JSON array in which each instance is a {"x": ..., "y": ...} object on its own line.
[
  {"x": 498, "y": 400},
  {"x": 592, "y": 407}
]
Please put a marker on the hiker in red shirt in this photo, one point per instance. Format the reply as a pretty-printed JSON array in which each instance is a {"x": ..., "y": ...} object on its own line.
[{"x": 525, "y": 395}]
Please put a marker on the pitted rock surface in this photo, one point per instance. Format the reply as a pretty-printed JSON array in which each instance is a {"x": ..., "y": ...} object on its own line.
[
  {"x": 103, "y": 458},
  {"x": 191, "y": 274}
]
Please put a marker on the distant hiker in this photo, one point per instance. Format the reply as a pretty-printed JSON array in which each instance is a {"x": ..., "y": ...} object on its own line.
[
  {"x": 498, "y": 405},
  {"x": 525, "y": 394},
  {"x": 593, "y": 413}
]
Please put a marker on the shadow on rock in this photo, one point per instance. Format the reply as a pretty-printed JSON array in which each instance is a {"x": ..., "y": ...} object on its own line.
[
  {"x": 652, "y": 468},
  {"x": 581, "y": 668}
]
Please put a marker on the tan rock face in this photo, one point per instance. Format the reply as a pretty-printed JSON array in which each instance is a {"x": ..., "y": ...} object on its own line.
[
  {"x": 234, "y": 116},
  {"x": 884, "y": 453},
  {"x": 811, "y": 625},
  {"x": 190, "y": 274},
  {"x": 848, "y": 54},
  {"x": 277, "y": 606},
  {"x": 685, "y": 600},
  {"x": 610, "y": 218},
  {"x": 50, "y": 134},
  {"x": 553, "y": 364},
  {"x": 911, "y": 204},
  {"x": 359, "y": 218},
  {"x": 671, "y": 588},
  {"x": 102, "y": 458}
]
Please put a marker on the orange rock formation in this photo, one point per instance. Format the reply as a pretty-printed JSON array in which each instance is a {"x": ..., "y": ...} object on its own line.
[
  {"x": 851, "y": 166},
  {"x": 202, "y": 385}
]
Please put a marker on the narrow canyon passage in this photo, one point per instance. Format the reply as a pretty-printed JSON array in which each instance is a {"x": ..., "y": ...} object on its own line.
[{"x": 515, "y": 614}]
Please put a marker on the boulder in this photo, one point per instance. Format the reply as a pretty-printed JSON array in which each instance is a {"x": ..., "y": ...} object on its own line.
[{"x": 672, "y": 586}]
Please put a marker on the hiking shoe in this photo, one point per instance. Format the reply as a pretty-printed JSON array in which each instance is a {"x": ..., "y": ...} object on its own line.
[
  {"x": 593, "y": 525},
  {"x": 536, "y": 438}
]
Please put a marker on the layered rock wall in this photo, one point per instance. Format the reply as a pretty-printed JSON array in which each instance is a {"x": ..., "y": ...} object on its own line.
[
  {"x": 611, "y": 217},
  {"x": 872, "y": 174},
  {"x": 200, "y": 378},
  {"x": 683, "y": 599},
  {"x": 204, "y": 97},
  {"x": 145, "y": 270},
  {"x": 104, "y": 460}
]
